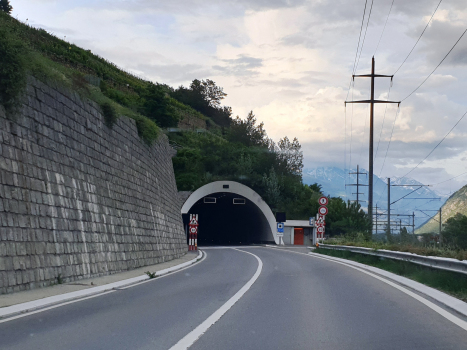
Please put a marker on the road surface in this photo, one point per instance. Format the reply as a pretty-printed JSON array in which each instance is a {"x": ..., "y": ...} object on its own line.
[{"x": 281, "y": 300}]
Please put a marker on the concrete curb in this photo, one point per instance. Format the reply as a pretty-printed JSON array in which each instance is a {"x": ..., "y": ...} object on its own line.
[
  {"x": 448, "y": 301},
  {"x": 34, "y": 305}
]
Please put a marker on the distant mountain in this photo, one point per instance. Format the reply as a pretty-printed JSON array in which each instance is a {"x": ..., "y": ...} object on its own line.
[
  {"x": 334, "y": 180},
  {"x": 457, "y": 203}
]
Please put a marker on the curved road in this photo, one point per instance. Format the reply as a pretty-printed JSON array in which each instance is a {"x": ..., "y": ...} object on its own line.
[{"x": 296, "y": 302}]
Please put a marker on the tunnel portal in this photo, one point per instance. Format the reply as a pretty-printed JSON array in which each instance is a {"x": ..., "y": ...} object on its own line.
[{"x": 230, "y": 213}]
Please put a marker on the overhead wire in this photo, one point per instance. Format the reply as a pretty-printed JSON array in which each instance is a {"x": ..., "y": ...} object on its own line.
[
  {"x": 420, "y": 36},
  {"x": 423, "y": 82},
  {"x": 382, "y": 125},
  {"x": 452, "y": 178},
  {"x": 364, "y": 36},
  {"x": 350, "y": 84},
  {"x": 384, "y": 28},
  {"x": 431, "y": 18},
  {"x": 439, "y": 143}
]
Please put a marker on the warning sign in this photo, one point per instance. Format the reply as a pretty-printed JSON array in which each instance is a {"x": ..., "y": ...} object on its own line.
[{"x": 193, "y": 220}]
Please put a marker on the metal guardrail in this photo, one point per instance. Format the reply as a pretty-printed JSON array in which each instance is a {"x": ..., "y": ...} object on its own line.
[{"x": 435, "y": 262}]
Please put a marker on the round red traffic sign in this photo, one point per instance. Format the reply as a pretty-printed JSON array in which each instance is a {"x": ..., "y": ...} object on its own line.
[
  {"x": 193, "y": 229},
  {"x": 323, "y": 210},
  {"x": 320, "y": 229},
  {"x": 323, "y": 200}
]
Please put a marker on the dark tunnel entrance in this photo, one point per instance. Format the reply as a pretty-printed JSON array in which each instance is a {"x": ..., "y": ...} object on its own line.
[{"x": 230, "y": 219}]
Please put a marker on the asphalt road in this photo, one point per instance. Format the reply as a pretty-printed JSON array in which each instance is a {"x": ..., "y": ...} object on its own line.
[{"x": 297, "y": 302}]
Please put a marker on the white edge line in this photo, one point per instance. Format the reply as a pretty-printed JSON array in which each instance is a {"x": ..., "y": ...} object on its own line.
[
  {"x": 30, "y": 307},
  {"x": 456, "y": 320},
  {"x": 52, "y": 307},
  {"x": 196, "y": 333},
  {"x": 165, "y": 274}
]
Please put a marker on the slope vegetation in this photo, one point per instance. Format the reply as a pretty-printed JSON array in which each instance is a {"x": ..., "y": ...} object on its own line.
[{"x": 457, "y": 203}]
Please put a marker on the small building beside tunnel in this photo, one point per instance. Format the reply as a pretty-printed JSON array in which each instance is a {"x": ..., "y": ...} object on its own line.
[{"x": 298, "y": 232}]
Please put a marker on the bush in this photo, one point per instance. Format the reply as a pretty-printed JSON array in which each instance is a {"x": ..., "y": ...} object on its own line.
[
  {"x": 12, "y": 71},
  {"x": 455, "y": 231},
  {"x": 147, "y": 129},
  {"x": 110, "y": 114}
]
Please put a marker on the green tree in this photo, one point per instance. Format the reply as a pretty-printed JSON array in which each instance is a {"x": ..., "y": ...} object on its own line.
[
  {"x": 290, "y": 155},
  {"x": 273, "y": 191},
  {"x": 205, "y": 97},
  {"x": 247, "y": 132},
  {"x": 346, "y": 218},
  {"x": 5, "y": 6},
  {"x": 210, "y": 92},
  {"x": 455, "y": 231},
  {"x": 157, "y": 106}
]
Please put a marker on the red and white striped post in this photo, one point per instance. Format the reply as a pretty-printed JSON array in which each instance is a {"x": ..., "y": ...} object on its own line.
[{"x": 193, "y": 232}]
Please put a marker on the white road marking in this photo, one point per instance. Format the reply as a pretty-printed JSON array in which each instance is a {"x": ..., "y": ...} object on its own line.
[
  {"x": 169, "y": 272},
  {"x": 53, "y": 307},
  {"x": 166, "y": 274},
  {"x": 456, "y": 320},
  {"x": 195, "y": 334}
]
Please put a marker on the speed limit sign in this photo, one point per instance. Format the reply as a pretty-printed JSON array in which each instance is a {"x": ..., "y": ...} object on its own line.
[
  {"x": 193, "y": 229},
  {"x": 323, "y": 200},
  {"x": 320, "y": 229},
  {"x": 323, "y": 210}
]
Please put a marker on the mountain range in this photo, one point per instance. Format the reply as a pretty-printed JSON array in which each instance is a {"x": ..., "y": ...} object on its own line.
[{"x": 407, "y": 197}]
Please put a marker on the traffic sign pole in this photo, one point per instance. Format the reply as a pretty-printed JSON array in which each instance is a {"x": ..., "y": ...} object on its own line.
[{"x": 193, "y": 232}]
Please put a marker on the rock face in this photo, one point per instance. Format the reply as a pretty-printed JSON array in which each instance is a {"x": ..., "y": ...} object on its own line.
[
  {"x": 79, "y": 199},
  {"x": 457, "y": 203}
]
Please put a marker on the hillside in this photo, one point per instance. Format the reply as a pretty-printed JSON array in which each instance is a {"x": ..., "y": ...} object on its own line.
[
  {"x": 457, "y": 203},
  {"x": 26, "y": 51},
  {"x": 225, "y": 148}
]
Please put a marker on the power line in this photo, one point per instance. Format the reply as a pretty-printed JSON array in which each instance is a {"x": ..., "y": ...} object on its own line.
[
  {"x": 359, "y": 38},
  {"x": 452, "y": 178},
  {"x": 389, "y": 143},
  {"x": 385, "y": 27},
  {"x": 382, "y": 125},
  {"x": 437, "y": 144},
  {"x": 350, "y": 84},
  {"x": 423, "y": 82},
  {"x": 363, "y": 42},
  {"x": 436, "y": 9},
  {"x": 358, "y": 46}
]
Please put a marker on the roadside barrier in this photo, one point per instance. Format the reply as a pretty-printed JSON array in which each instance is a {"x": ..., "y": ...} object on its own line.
[{"x": 435, "y": 262}]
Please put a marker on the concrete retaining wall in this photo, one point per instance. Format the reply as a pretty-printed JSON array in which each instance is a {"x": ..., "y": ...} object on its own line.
[{"x": 78, "y": 199}]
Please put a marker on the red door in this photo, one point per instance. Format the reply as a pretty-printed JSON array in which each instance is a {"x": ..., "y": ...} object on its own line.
[{"x": 298, "y": 236}]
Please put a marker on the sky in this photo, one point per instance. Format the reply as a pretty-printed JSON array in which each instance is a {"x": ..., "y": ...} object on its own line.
[{"x": 291, "y": 61}]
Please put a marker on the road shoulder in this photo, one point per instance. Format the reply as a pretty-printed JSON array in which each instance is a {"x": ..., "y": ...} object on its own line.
[{"x": 27, "y": 301}]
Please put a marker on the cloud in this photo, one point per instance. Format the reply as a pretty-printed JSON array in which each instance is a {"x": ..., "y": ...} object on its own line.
[{"x": 291, "y": 63}]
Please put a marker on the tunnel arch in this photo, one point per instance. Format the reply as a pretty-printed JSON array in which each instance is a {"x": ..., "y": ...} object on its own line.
[{"x": 233, "y": 189}]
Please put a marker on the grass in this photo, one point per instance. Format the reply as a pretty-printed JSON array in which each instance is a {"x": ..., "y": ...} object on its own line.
[
  {"x": 426, "y": 249},
  {"x": 451, "y": 283},
  {"x": 151, "y": 275},
  {"x": 25, "y": 50}
]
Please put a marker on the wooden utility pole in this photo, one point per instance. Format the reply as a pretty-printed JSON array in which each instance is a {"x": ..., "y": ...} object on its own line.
[
  {"x": 440, "y": 226},
  {"x": 389, "y": 202},
  {"x": 372, "y": 102}
]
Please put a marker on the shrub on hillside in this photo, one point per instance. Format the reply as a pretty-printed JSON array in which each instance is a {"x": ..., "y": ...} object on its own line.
[
  {"x": 12, "y": 71},
  {"x": 455, "y": 231}
]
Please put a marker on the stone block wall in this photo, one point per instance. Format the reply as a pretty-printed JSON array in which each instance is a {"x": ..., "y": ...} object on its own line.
[{"x": 79, "y": 199}]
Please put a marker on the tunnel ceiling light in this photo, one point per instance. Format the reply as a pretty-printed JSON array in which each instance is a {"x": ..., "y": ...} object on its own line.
[
  {"x": 239, "y": 201},
  {"x": 210, "y": 200}
]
